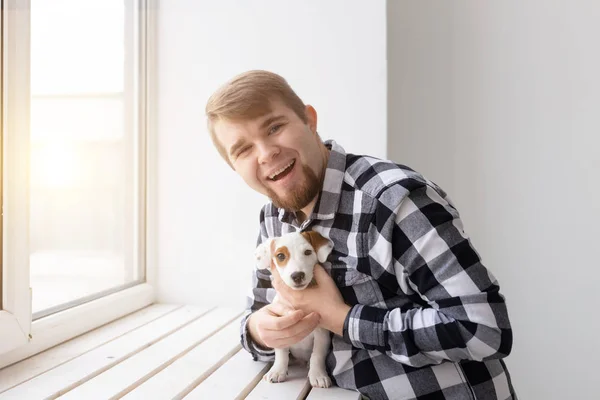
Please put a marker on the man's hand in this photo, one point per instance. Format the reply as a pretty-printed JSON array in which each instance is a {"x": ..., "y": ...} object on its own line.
[
  {"x": 324, "y": 298},
  {"x": 277, "y": 325}
]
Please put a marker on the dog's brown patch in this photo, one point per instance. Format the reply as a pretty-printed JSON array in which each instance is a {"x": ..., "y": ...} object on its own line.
[
  {"x": 315, "y": 239},
  {"x": 281, "y": 250}
]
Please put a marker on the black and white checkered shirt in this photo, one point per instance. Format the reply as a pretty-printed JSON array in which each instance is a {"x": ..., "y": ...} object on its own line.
[{"x": 427, "y": 318}]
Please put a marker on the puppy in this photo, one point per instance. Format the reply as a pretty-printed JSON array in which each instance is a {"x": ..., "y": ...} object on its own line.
[{"x": 294, "y": 255}]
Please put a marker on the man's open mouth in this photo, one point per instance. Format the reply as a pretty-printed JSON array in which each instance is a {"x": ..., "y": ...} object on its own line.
[{"x": 283, "y": 172}]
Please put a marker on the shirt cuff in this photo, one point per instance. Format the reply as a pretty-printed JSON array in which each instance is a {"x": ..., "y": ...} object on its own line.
[
  {"x": 364, "y": 327},
  {"x": 258, "y": 353}
]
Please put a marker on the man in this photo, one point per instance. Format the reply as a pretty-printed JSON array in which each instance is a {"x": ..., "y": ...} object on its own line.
[{"x": 413, "y": 312}]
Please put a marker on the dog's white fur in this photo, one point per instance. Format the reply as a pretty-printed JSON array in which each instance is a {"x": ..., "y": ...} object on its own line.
[{"x": 295, "y": 253}]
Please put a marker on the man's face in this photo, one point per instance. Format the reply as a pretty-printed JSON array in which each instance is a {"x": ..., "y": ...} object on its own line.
[{"x": 277, "y": 155}]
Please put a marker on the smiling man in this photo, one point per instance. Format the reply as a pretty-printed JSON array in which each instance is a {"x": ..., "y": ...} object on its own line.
[{"x": 413, "y": 311}]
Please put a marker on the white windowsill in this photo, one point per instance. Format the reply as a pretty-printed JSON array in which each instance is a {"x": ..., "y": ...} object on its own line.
[
  {"x": 161, "y": 352},
  {"x": 60, "y": 327}
]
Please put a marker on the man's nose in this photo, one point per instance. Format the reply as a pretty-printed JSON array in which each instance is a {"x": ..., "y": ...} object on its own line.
[
  {"x": 266, "y": 152},
  {"x": 298, "y": 277}
]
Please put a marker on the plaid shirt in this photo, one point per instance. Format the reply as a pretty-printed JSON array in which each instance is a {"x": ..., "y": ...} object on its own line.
[{"x": 427, "y": 318}]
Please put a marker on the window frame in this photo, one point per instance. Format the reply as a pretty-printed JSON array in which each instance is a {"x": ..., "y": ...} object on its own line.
[
  {"x": 20, "y": 337},
  {"x": 15, "y": 315}
]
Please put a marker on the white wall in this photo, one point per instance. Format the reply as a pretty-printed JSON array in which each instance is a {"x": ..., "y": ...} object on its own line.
[
  {"x": 499, "y": 103},
  {"x": 332, "y": 52}
]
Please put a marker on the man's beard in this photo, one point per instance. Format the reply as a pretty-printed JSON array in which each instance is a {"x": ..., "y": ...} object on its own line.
[{"x": 303, "y": 194}]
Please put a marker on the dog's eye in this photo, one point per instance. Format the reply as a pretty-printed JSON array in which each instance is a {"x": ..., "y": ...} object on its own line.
[
  {"x": 307, "y": 252},
  {"x": 281, "y": 257}
]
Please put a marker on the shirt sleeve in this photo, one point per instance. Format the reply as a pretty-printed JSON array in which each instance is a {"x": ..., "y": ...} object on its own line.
[
  {"x": 463, "y": 314},
  {"x": 261, "y": 294}
]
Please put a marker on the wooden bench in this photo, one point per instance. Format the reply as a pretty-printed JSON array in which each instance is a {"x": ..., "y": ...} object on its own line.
[{"x": 159, "y": 352}]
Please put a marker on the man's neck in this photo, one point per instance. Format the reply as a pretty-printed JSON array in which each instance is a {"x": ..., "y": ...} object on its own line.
[
  {"x": 303, "y": 214},
  {"x": 300, "y": 217}
]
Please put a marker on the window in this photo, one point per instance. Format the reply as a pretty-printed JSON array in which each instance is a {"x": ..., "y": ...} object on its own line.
[
  {"x": 85, "y": 147},
  {"x": 75, "y": 99}
]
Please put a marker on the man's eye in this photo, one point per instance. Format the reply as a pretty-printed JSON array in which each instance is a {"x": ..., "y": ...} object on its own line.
[
  {"x": 274, "y": 128},
  {"x": 243, "y": 151},
  {"x": 281, "y": 257},
  {"x": 307, "y": 252}
]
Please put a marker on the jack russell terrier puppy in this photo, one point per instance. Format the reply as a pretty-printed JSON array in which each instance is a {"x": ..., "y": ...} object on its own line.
[{"x": 294, "y": 255}]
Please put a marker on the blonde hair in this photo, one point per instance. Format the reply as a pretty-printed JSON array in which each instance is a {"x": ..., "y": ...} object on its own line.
[{"x": 249, "y": 96}]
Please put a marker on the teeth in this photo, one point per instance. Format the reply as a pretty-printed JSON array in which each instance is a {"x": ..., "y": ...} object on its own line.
[{"x": 280, "y": 171}]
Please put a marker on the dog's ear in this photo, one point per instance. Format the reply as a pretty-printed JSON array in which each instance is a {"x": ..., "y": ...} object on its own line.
[
  {"x": 321, "y": 245},
  {"x": 263, "y": 254}
]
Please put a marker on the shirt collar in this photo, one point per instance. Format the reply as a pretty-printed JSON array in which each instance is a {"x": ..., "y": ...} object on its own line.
[{"x": 329, "y": 196}]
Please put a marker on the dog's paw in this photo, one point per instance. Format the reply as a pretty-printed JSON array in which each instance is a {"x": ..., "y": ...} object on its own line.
[
  {"x": 319, "y": 379},
  {"x": 276, "y": 375}
]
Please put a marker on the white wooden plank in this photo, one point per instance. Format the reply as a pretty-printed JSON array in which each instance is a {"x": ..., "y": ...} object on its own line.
[
  {"x": 63, "y": 378},
  {"x": 124, "y": 377},
  {"x": 233, "y": 380},
  {"x": 296, "y": 386},
  {"x": 57, "y": 328},
  {"x": 332, "y": 393},
  {"x": 33, "y": 366},
  {"x": 188, "y": 371}
]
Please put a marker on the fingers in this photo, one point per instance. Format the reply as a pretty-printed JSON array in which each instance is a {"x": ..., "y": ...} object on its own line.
[
  {"x": 275, "y": 279},
  {"x": 275, "y": 274},
  {"x": 277, "y": 284},
  {"x": 287, "y": 342},
  {"x": 306, "y": 324},
  {"x": 278, "y": 323},
  {"x": 279, "y": 309},
  {"x": 295, "y": 333},
  {"x": 295, "y": 327},
  {"x": 320, "y": 274},
  {"x": 309, "y": 323},
  {"x": 319, "y": 271}
]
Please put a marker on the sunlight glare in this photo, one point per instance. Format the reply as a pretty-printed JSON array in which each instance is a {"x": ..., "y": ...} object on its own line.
[{"x": 56, "y": 165}]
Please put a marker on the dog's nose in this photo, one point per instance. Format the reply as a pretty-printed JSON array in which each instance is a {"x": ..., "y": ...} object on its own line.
[{"x": 298, "y": 277}]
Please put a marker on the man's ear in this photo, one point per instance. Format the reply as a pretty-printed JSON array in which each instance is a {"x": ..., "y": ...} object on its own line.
[
  {"x": 322, "y": 246},
  {"x": 311, "y": 117},
  {"x": 263, "y": 254}
]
